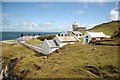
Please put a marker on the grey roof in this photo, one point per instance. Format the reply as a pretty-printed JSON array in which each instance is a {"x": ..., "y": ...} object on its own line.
[
  {"x": 76, "y": 32},
  {"x": 53, "y": 43},
  {"x": 67, "y": 38}
]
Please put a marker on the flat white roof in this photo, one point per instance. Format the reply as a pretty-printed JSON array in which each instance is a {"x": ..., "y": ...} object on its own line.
[
  {"x": 96, "y": 34},
  {"x": 76, "y": 32},
  {"x": 67, "y": 38}
]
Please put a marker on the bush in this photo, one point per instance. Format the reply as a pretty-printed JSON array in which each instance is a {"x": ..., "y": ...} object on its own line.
[{"x": 42, "y": 38}]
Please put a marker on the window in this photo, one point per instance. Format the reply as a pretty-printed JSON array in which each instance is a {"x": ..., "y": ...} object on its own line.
[
  {"x": 86, "y": 37},
  {"x": 61, "y": 34}
]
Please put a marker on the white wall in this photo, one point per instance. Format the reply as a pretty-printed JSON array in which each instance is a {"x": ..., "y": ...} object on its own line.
[
  {"x": 89, "y": 37},
  {"x": 53, "y": 49},
  {"x": 20, "y": 41},
  {"x": 80, "y": 36},
  {"x": 45, "y": 49},
  {"x": 62, "y": 44},
  {"x": 57, "y": 40}
]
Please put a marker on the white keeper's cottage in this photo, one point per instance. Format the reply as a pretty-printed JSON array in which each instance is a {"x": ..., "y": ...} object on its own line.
[
  {"x": 64, "y": 40},
  {"x": 88, "y": 36},
  {"x": 78, "y": 34},
  {"x": 23, "y": 39},
  {"x": 49, "y": 46}
]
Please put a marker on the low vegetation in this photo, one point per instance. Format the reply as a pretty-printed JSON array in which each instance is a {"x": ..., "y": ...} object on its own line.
[
  {"x": 71, "y": 61},
  {"x": 111, "y": 42},
  {"x": 48, "y": 37},
  {"x": 34, "y": 41},
  {"x": 108, "y": 28},
  {"x": 78, "y": 57}
]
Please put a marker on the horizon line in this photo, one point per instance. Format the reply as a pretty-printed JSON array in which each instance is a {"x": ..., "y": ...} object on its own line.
[{"x": 59, "y": 1}]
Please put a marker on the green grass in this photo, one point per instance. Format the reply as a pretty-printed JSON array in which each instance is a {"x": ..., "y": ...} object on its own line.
[
  {"x": 68, "y": 63},
  {"x": 110, "y": 42},
  {"x": 48, "y": 37},
  {"x": 107, "y": 28},
  {"x": 81, "y": 39},
  {"x": 10, "y": 40},
  {"x": 34, "y": 41}
]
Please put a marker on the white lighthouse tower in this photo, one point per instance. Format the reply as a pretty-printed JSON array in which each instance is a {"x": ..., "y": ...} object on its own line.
[{"x": 75, "y": 25}]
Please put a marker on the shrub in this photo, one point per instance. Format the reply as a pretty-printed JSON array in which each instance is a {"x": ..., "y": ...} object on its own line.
[{"x": 42, "y": 38}]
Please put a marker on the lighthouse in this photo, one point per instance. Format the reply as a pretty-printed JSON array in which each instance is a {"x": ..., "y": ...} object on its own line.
[{"x": 76, "y": 27}]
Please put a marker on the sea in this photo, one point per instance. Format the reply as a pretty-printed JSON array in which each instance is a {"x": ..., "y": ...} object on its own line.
[{"x": 6, "y": 35}]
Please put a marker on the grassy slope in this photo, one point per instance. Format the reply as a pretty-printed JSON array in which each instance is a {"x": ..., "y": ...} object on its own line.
[
  {"x": 68, "y": 63},
  {"x": 107, "y": 28},
  {"x": 34, "y": 41}
]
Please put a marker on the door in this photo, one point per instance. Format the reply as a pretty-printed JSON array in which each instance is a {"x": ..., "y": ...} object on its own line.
[{"x": 86, "y": 39}]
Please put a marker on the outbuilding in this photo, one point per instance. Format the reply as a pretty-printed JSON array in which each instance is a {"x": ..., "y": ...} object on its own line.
[
  {"x": 78, "y": 34},
  {"x": 88, "y": 36},
  {"x": 48, "y": 46},
  {"x": 23, "y": 39},
  {"x": 64, "y": 40}
]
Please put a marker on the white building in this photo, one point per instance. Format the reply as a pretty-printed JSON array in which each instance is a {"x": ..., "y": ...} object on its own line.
[
  {"x": 48, "y": 46},
  {"x": 65, "y": 33},
  {"x": 78, "y": 34},
  {"x": 64, "y": 40},
  {"x": 23, "y": 39},
  {"x": 88, "y": 36},
  {"x": 76, "y": 27}
]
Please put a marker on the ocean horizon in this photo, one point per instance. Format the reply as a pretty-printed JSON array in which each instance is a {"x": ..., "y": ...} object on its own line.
[{"x": 8, "y": 35}]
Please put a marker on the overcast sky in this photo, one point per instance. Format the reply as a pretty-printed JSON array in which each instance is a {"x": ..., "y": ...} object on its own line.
[{"x": 55, "y": 16}]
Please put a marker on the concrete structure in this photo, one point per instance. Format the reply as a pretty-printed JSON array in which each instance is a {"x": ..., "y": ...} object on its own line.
[
  {"x": 77, "y": 27},
  {"x": 78, "y": 34},
  {"x": 88, "y": 36},
  {"x": 49, "y": 46},
  {"x": 64, "y": 40},
  {"x": 23, "y": 39}
]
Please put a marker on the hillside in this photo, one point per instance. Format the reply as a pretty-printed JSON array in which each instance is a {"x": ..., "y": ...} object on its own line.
[
  {"x": 71, "y": 61},
  {"x": 108, "y": 28}
]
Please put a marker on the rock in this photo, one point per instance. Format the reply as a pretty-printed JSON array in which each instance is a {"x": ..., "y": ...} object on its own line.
[
  {"x": 93, "y": 48},
  {"x": 22, "y": 71},
  {"x": 37, "y": 67},
  {"x": 8, "y": 70},
  {"x": 113, "y": 69},
  {"x": 57, "y": 51},
  {"x": 93, "y": 70},
  {"x": 4, "y": 57},
  {"x": 106, "y": 76}
]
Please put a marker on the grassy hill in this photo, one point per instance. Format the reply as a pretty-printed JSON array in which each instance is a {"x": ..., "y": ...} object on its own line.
[
  {"x": 107, "y": 28},
  {"x": 69, "y": 62}
]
